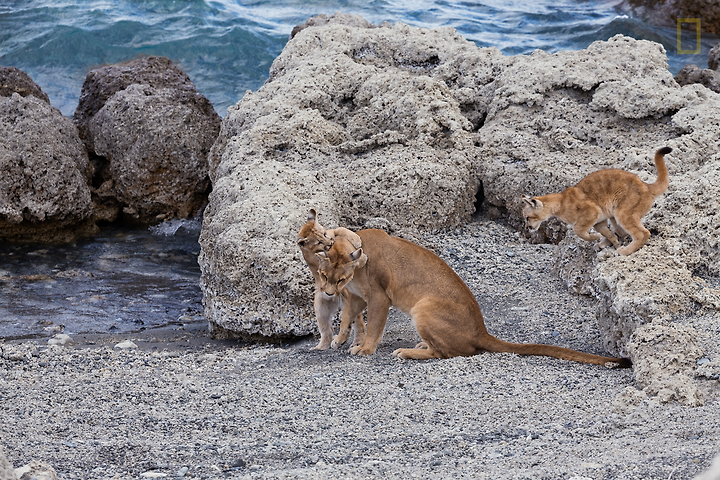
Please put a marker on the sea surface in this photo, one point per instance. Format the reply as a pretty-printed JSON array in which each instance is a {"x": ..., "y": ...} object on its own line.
[{"x": 124, "y": 279}]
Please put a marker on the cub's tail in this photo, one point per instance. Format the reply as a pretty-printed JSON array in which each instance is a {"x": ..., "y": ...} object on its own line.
[
  {"x": 499, "y": 346},
  {"x": 661, "y": 184}
]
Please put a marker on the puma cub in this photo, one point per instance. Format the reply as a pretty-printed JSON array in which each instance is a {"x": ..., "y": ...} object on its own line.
[
  {"x": 389, "y": 271},
  {"x": 609, "y": 194},
  {"x": 313, "y": 238}
]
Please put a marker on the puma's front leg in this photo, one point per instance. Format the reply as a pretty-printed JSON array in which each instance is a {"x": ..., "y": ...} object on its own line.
[
  {"x": 378, "y": 307},
  {"x": 351, "y": 315}
]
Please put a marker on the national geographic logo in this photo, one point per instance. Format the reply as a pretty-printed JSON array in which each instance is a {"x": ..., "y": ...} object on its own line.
[{"x": 698, "y": 46}]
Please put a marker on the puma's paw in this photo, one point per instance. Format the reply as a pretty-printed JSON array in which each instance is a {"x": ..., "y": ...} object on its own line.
[
  {"x": 623, "y": 251},
  {"x": 360, "y": 351},
  {"x": 422, "y": 345},
  {"x": 337, "y": 341},
  {"x": 602, "y": 244},
  {"x": 323, "y": 345},
  {"x": 400, "y": 352}
]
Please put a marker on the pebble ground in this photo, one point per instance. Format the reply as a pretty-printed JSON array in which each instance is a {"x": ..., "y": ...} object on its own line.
[{"x": 182, "y": 404}]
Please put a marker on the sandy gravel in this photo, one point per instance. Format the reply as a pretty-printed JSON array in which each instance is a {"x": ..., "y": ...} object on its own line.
[{"x": 181, "y": 403}]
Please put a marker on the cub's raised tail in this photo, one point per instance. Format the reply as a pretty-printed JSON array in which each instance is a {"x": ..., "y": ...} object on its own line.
[{"x": 663, "y": 179}]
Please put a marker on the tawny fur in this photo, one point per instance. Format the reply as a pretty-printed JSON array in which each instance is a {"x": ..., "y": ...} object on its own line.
[
  {"x": 389, "y": 271},
  {"x": 610, "y": 194},
  {"x": 312, "y": 239}
]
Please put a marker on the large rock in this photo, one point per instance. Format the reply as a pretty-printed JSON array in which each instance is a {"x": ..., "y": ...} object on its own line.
[
  {"x": 14, "y": 80},
  {"x": 6, "y": 470},
  {"x": 666, "y": 12},
  {"x": 708, "y": 77},
  {"x": 149, "y": 133},
  {"x": 354, "y": 122},
  {"x": 44, "y": 191}
]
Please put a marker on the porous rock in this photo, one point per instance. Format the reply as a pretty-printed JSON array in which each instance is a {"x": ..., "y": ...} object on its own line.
[
  {"x": 664, "y": 357},
  {"x": 36, "y": 470},
  {"x": 666, "y": 13},
  {"x": 6, "y": 470},
  {"x": 714, "y": 58},
  {"x": 44, "y": 191},
  {"x": 693, "y": 74},
  {"x": 148, "y": 131},
  {"x": 354, "y": 121},
  {"x": 156, "y": 142},
  {"x": 14, "y": 80}
]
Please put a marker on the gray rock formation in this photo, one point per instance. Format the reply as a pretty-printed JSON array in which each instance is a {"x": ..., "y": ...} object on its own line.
[
  {"x": 14, "y": 80},
  {"x": 693, "y": 74},
  {"x": 708, "y": 77},
  {"x": 6, "y": 470},
  {"x": 149, "y": 133},
  {"x": 352, "y": 122},
  {"x": 44, "y": 192},
  {"x": 396, "y": 127},
  {"x": 667, "y": 12}
]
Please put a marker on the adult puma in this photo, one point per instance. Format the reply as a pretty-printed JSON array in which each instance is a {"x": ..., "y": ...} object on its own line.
[
  {"x": 312, "y": 239},
  {"x": 609, "y": 194},
  {"x": 411, "y": 278}
]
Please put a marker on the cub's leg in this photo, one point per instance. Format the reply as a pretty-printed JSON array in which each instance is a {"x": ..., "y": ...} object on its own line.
[
  {"x": 378, "y": 307},
  {"x": 325, "y": 308},
  {"x": 351, "y": 316},
  {"x": 610, "y": 238},
  {"x": 635, "y": 228},
  {"x": 618, "y": 229}
]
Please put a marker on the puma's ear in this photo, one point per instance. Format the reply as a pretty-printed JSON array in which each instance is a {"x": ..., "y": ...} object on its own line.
[
  {"x": 359, "y": 257},
  {"x": 532, "y": 202},
  {"x": 302, "y": 241},
  {"x": 312, "y": 215}
]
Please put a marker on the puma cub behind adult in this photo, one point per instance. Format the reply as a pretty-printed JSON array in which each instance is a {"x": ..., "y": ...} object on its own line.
[{"x": 609, "y": 194}]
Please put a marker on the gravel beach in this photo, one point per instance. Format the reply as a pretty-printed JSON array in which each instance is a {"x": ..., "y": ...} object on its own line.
[{"x": 179, "y": 403}]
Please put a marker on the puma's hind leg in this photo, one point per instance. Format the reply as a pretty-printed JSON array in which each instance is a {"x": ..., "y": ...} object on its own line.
[
  {"x": 610, "y": 238},
  {"x": 635, "y": 229},
  {"x": 618, "y": 229}
]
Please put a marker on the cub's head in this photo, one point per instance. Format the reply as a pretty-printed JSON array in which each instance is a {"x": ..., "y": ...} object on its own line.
[
  {"x": 534, "y": 212},
  {"x": 312, "y": 236},
  {"x": 338, "y": 265}
]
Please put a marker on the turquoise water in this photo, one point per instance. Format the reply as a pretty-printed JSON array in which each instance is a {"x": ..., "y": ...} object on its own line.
[{"x": 227, "y": 46}]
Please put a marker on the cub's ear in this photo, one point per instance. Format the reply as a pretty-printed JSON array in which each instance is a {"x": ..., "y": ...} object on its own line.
[
  {"x": 532, "y": 202},
  {"x": 302, "y": 241},
  {"x": 312, "y": 215},
  {"x": 322, "y": 255},
  {"x": 359, "y": 258}
]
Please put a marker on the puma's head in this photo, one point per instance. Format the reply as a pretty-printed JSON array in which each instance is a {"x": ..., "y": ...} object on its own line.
[
  {"x": 312, "y": 236},
  {"x": 534, "y": 212},
  {"x": 338, "y": 265}
]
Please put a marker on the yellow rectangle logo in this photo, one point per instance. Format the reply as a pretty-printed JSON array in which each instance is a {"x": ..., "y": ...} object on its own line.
[{"x": 698, "y": 46}]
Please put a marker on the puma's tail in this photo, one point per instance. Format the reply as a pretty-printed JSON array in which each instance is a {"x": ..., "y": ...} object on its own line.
[
  {"x": 661, "y": 184},
  {"x": 499, "y": 346}
]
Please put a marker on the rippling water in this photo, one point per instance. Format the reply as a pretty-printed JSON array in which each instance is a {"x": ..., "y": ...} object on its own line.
[
  {"x": 227, "y": 46},
  {"x": 126, "y": 280}
]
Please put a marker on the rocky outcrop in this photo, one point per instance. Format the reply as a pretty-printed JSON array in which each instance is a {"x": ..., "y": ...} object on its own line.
[
  {"x": 708, "y": 77},
  {"x": 149, "y": 133},
  {"x": 666, "y": 12},
  {"x": 44, "y": 191},
  {"x": 397, "y": 127},
  {"x": 356, "y": 122},
  {"x": 14, "y": 80},
  {"x": 6, "y": 470}
]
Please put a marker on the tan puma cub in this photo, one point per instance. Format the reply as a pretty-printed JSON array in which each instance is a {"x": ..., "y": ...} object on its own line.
[
  {"x": 313, "y": 238},
  {"x": 609, "y": 194},
  {"x": 391, "y": 271}
]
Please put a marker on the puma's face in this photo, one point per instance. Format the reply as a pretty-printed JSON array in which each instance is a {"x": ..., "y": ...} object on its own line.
[
  {"x": 337, "y": 266},
  {"x": 313, "y": 239},
  {"x": 533, "y": 212},
  {"x": 312, "y": 236}
]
